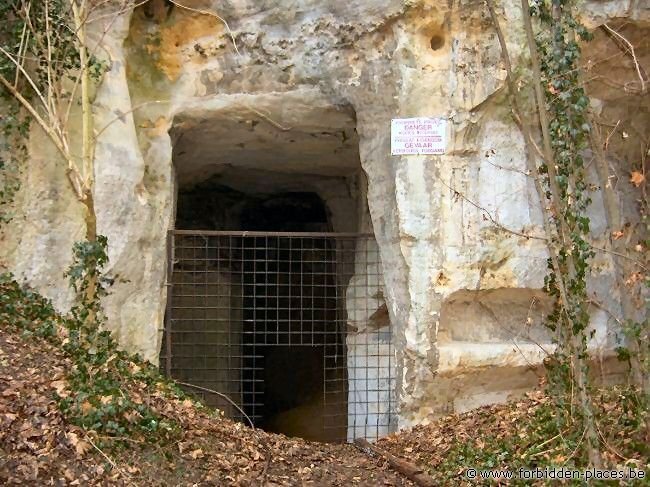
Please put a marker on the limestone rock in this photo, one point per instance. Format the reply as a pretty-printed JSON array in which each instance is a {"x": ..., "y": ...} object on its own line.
[{"x": 308, "y": 88}]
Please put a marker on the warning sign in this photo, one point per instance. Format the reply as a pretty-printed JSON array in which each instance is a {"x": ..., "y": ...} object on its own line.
[{"x": 418, "y": 136}]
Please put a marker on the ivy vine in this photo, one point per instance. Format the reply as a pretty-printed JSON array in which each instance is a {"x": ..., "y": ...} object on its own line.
[{"x": 567, "y": 105}]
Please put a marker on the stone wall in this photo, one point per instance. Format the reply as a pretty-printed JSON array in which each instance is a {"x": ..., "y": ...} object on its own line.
[{"x": 323, "y": 70}]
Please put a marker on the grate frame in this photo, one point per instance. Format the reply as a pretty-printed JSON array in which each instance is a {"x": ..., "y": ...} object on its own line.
[{"x": 237, "y": 298}]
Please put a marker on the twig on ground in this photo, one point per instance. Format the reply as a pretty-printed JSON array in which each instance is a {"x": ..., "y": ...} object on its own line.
[
  {"x": 263, "y": 443},
  {"x": 602, "y": 307},
  {"x": 559, "y": 435},
  {"x": 611, "y": 448},
  {"x": 504, "y": 168},
  {"x": 573, "y": 453},
  {"x": 413, "y": 472},
  {"x": 107, "y": 458},
  {"x": 222, "y": 395},
  {"x": 120, "y": 11}
]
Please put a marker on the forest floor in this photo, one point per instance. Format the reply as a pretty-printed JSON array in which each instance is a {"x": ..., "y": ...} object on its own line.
[
  {"x": 523, "y": 434},
  {"x": 70, "y": 415},
  {"x": 39, "y": 447}
]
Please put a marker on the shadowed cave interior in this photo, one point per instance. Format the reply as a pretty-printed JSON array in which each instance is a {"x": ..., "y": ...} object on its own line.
[{"x": 287, "y": 316}]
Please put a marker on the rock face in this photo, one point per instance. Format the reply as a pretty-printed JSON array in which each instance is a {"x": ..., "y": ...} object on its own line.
[{"x": 299, "y": 96}]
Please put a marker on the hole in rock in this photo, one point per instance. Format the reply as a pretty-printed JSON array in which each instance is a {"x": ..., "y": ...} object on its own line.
[
  {"x": 437, "y": 42},
  {"x": 263, "y": 292}
]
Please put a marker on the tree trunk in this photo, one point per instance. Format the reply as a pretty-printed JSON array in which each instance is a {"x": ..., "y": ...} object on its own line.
[{"x": 91, "y": 236}]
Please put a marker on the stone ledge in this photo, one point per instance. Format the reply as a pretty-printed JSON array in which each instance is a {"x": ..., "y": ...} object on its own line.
[{"x": 456, "y": 356}]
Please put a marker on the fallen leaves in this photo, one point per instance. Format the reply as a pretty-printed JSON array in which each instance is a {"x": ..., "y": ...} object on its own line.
[
  {"x": 81, "y": 446},
  {"x": 515, "y": 434},
  {"x": 42, "y": 448},
  {"x": 86, "y": 407},
  {"x": 36, "y": 443},
  {"x": 633, "y": 278},
  {"x": 198, "y": 453},
  {"x": 61, "y": 387},
  {"x": 637, "y": 178}
]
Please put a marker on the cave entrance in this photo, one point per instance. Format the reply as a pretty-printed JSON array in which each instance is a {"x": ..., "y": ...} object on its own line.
[
  {"x": 275, "y": 294},
  {"x": 290, "y": 301}
]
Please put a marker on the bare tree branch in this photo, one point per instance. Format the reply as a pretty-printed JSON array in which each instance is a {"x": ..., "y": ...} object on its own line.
[
  {"x": 491, "y": 218},
  {"x": 211, "y": 14},
  {"x": 629, "y": 49}
]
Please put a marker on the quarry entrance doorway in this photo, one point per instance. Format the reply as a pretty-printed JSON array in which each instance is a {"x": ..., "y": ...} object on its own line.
[
  {"x": 270, "y": 320},
  {"x": 275, "y": 287}
]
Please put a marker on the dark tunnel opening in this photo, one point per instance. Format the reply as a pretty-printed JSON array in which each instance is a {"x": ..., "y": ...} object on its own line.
[{"x": 289, "y": 307}]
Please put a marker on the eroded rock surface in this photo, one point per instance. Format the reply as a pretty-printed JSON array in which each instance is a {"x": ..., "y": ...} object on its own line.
[{"x": 306, "y": 90}]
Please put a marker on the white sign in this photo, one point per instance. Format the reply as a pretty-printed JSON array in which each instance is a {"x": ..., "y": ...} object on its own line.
[{"x": 418, "y": 136}]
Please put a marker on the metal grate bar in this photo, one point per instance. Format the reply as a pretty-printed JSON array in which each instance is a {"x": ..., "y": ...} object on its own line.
[{"x": 250, "y": 312}]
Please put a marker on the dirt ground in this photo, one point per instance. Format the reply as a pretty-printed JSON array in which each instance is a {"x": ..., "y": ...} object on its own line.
[{"x": 39, "y": 447}]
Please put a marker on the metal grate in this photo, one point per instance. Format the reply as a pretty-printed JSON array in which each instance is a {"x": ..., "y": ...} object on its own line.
[{"x": 293, "y": 327}]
